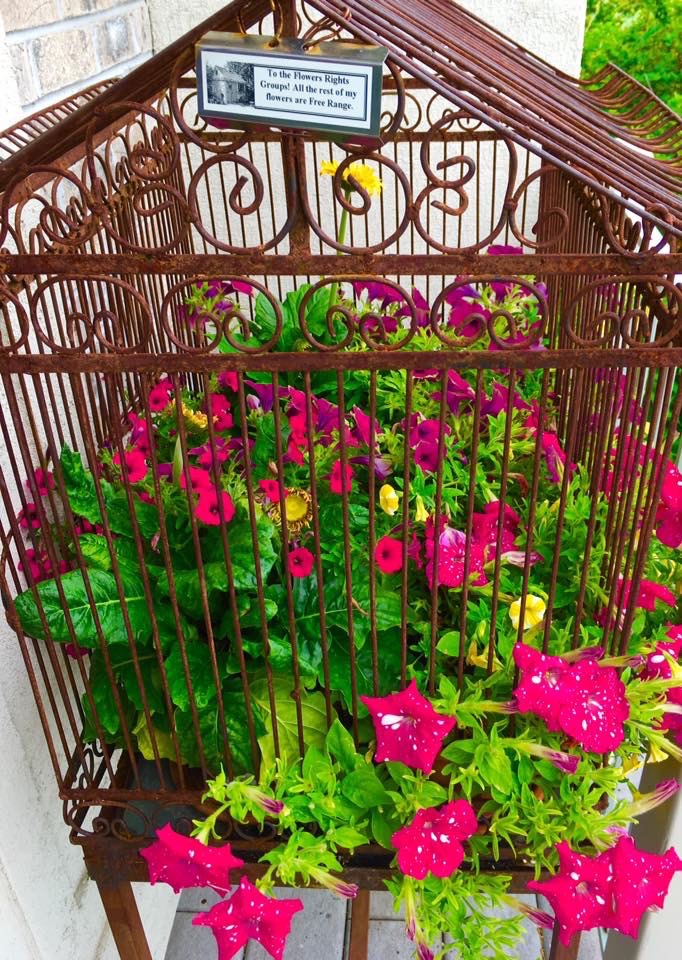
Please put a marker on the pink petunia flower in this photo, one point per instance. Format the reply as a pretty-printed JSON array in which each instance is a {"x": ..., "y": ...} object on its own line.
[
  {"x": 640, "y": 882},
  {"x": 207, "y": 508},
  {"x": 426, "y": 456},
  {"x": 431, "y": 843},
  {"x": 595, "y": 707},
  {"x": 301, "y": 562},
  {"x": 160, "y": 396},
  {"x": 426, "y": 431},
  {"x": 388, "y": 555},
  {"x": 199, "y": 480},
  {"x": 583, "y": 699},
  {"x": 221, "y": 411},
  {"x": 336, "y": 484},
  {"x": 228, "y": 380},
  {"x": 249, "y": 915},
  {"x": 44, "y": 481},
  {"x": 183, "y": 862},
  {"x": 135, "y": 465},
  {"x": 408, "y": 729},
  {"x": 540, "y": 688},
  {"x": 648, "y": 594},
  {"x": 580, "y": 894},
  {"x": 28, "y": 518},
  {"x": 271, "y": 489},
  {"x": 612, "y": 890},
  {"x": 206, "y": 455}
]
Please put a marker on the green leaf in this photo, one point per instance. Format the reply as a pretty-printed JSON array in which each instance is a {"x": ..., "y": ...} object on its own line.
[
  {"x": 200, "y": 675},
  {"x": 210, "y": 729},
  {"x": 106, "y": 602},
  {"x": 340, "y": 669},
  {"x": 364, "y": 788},
  {"x": 495, "y": 766},
  {"x": 313, "y": 713},
  {"x": 80, "y": 486},
  {"x": 383, "y": 829},
  {"x": 341, "y": 746},
  {"x": 347, "y": 837},
  {"x": 449, "y": 643}
]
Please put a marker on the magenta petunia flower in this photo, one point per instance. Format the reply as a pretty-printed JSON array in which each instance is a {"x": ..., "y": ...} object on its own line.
[
  {"x": 249, "y": 915},
  {"x": 221, "y": 411},
  {"x": 594, "y": 706},
  {"x": 388, "y": 554},
  {"x": 183, "y": 862},
  {"x": 426, "y": 431},
  {"x": 648, "y": 594},
  {"x": 426, "y": 456},
  {"x": 44, "y": 481},
  {"x": 301, "y": 562},
  {"x": 199, "y": 480},
  {"x": 431, "y": 843},
  {"x": 640, "y": 881},
  {"x": 408, "y": 729},
  {"x": 207, "y": 508},
  {"x": 136, "y": 465},
  {"x": 540, "y": 689},
  {"x": 206, "y": 455},
  {"x": 271, "y": 489},
  {"x": 336, "y": 478},
  {"x": 228, "y": 380},
  {"x": 583, "y": 699},
  {"x": 28, "y": 518},
  {"x": 580, "y": 894},
  {"x": 160, "y": 396}
]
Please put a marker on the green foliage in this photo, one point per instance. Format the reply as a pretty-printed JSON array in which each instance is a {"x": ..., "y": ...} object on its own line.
[{"x": 643, "y": 38}]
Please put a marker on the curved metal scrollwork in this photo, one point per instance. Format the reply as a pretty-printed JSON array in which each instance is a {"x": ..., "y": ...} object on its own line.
[
  {"x": 452, "y": 177},
  {"x": 506, "y": 330},
  {"x": 77, "y": 315},
  {"x": 202, "y": 331},
  {"x": 342, "y": 321},
  {"x": 620, "y": 311}
]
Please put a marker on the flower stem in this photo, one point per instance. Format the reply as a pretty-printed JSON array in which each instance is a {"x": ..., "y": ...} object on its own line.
[{"x": 340, "y": 239}]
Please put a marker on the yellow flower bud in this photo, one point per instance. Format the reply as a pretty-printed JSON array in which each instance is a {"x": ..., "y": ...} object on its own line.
[
  {"x": 389, "y": 499},
  {"x": 421, "y": 514},
  {"x": 533, "y": 615}
]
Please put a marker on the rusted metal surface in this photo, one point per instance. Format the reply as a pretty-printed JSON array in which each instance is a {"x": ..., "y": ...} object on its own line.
[
  {"x": 29, "y": 128},
  {"x": 100, "y": 254}
]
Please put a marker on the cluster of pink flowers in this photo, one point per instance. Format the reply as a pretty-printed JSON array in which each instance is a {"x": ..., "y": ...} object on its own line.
[
  {"x": 247, "y": 915},
  {"x": 581, "y": 698},
  {"x": 612, "y": 890}
]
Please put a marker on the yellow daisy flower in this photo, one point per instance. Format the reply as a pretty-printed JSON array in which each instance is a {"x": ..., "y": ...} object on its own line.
[
  {"x": 533, "y": 615},
  {"x": 195, "y": 418},
  {"x": 363, "y": 175}
]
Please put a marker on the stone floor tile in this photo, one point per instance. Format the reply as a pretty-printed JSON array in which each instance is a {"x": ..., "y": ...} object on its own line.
[
  {"x": 388, "y": 941},
  {"x": 381, "y": 906}
]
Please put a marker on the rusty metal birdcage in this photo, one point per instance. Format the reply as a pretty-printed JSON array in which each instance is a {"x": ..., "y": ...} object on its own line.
[{"x": 120, "y": 211}]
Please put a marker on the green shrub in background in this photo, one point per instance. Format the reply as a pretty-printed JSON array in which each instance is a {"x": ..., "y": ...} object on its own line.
[{"x": 642, "y": 37}]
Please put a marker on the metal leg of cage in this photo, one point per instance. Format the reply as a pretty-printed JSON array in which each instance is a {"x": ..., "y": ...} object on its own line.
[
  {"x": 359, "y": 926},
  {"x": 124, "y": 919}
]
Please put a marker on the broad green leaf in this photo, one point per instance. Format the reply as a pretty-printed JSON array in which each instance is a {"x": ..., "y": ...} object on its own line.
[
  {"x": 364, "y": 788},
  {"x": 341, "y": 746},
  {"x": 313, "y": 714},
  {"x": 106, "y": 602},
  {"x": 200, "y": 675},
  {"x": 340, "y": 669},
  {"x": 164, "y": 741}
]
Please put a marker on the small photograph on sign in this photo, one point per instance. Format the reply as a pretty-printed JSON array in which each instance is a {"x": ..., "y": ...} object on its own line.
[{"x": 229, "y": 82}]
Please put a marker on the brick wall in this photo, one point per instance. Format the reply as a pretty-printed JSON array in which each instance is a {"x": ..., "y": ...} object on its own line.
[{"x": 59, "y": 46}]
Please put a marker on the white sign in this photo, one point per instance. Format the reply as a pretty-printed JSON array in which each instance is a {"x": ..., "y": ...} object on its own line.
[{"x": 333, "y": 86}]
